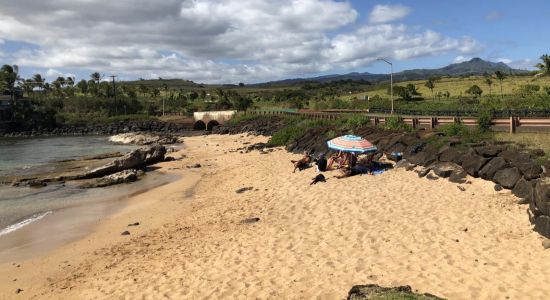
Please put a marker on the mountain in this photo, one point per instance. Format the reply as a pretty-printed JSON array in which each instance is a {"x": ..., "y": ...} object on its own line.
[{"x": 475, "y": 66}]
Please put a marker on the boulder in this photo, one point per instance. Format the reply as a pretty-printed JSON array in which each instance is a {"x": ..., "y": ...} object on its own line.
[
  {"x": 458, "y": 176},
  {"x": 125, "y": 176},
  {"x": 445, "y": 169},
  {"x": 523, "y": 189},
  {"x": 507, "y": 177},
  {"x": 542, "y": 226},
  {"x": 135, "y": 159},
  {"x": 530, "y": 169},
  {"x": 403, "y": 164},
  {"x": 489, "y": 170},
  {"x": 424, "y": 158},
  {"x": 451, "y": 154},
  {"x": 489, "y": 151},
  {"x": 373, "y": 291},
  {"x": 473, "y": 164},
  {"x": 542, "y": 196}
]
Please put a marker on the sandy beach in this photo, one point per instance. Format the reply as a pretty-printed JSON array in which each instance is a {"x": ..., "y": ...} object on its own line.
[{"x": 311, "y": 242}]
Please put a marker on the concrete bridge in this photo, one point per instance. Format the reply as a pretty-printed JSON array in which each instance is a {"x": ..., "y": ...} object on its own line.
[{"x": 208, "y": 119}]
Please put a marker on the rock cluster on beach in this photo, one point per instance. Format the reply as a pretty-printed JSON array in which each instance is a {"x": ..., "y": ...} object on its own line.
[
  {"x": 145, "y": 138},
  {"x": 102, "y": 129},
  {"x": 373, "y": 291}
]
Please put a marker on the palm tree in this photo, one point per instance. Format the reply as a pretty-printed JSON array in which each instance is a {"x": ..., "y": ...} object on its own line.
[
  {"x": 500, "y": 76},
  {"x": 70, "y": 81},
  {"x": 544, "y": 66},
  {"x": 9, "y": 75},
  {"x": 431, "y": 85},
  {"x": 489, "y": 82},
  {"x": 96, "y": 77},
  {"x": 38, "y": 80}
]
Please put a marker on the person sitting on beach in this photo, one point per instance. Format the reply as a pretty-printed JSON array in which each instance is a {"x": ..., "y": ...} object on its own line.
[
  {"x": 321, "y": 163},
  {"x": 341, "y": 160},
  {"x": 357, "y": 170},
  {"x": 302, "y": 163},
  {"x": 366, "y": 161}
]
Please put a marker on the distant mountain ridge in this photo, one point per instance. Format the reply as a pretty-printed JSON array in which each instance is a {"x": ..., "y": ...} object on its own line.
[{"x": 475, "y": 66}]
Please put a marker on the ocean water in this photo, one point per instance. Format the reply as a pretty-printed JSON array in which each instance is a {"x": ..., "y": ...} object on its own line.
[{"x": 22, "y": 206}]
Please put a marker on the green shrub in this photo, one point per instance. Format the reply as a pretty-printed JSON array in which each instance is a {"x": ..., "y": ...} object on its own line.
[
  {"x": 396, "y": 123},
  {"x": 484, "y": 120},
  {"x": 354, "y": 121},
  {"x": 455, "y": 129}
]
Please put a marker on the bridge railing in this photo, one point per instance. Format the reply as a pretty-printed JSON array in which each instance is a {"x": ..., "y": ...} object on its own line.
[{"x": 501, "y": 121}]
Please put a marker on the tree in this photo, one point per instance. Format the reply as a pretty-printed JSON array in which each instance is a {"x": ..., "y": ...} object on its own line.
[
  {"x": 489, "y": 82},
  {"x": 500, "y": 76},
  {"x": 96, "y": 77},
  {"x": 431, "y": 85},
  {"x": 38, "y": 81},
  {"x": 475, "y": 91},
  {"x": 9, "y": 75},
  {"x": 544, "y": 66},
  {"x": 407, "y": 92},
  {"x": 82, "y": 86}
]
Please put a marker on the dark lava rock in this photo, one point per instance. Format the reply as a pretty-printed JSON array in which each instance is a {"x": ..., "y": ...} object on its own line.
[
  {"x": 524, "y": 189},
  {"x": 537, "y": 152},
  {"x": 473, "y": 164},
  {"x": 507, "y": 177},
  {"x": 36, "y": 183},
  {"x": 423, "y": 158},
  {"x": 542, "y": 196},
  {"x": 125, "y": 176},
  {"x": 542, "y": 226},
  {"x": 498, "y": 187},
  {"x": 403, "y": 164},
  {"x": 531, "y": 170},
  {"x": 197, "y": 165},
  {"x": 489, "y": 170},
  {"x": 125, "y": 233},
  {"x": 243, "y": 189},
  {"x": 169, "y": 158},
  {"x": 250, "y": 220},
  {"x": 134, "y": 224},
  {"x": 546, "y": 244},
  {"x": 17, "y": 291},
  {"x": 431, "y": 177},
  {"x": 423, "y": 171},
  {"x": 458, "y": 176},
  {"x": 373, "y": 291},
  {"x": 489, "y": 151},
  {"x": 445, "y": 169},
  {"x": 451, "y": 154},
  {"x": 135, "y": 159}
]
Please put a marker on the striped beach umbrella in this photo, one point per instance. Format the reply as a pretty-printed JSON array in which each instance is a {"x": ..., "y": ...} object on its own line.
[{"x": 351, "y": 143}]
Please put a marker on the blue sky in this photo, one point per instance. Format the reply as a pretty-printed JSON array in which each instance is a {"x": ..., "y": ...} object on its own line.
[{"x": 259, "y": 40}]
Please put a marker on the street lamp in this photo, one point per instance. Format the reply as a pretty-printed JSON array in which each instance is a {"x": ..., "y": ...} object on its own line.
[{"x": 391, "y": 80}]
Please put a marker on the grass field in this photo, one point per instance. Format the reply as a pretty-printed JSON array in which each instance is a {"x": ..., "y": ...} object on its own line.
[{"x": 457, "y": 86}]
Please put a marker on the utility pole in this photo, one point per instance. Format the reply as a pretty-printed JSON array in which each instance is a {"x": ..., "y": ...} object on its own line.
[
  {"x": 391, "y": 80},
  {"x": 114, "y": 93}
]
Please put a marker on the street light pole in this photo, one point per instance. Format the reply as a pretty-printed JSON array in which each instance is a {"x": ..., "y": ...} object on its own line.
[{"x": 391, "y": 80}]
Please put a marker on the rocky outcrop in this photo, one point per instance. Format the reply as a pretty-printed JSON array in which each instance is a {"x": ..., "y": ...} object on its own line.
[
  {"x": 103, "y": 129},
  {"x": 373, "y": 291},
  {"x": 125, "y": 176},
  {"x": 137, "y": 138},
  {"x": 489, "y": 170},
  {"x": 135, "y": 159}
]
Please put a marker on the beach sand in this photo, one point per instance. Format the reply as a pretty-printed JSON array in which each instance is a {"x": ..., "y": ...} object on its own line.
[{"x": 311, "y": 241}]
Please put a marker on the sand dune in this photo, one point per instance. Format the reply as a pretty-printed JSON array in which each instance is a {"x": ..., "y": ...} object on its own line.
[{"x": 311, "y": 241}]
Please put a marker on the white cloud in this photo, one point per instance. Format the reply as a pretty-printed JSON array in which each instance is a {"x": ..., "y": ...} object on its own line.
[
  {"x": 52, "y": 74},
  {"x": 460, "y": 59},
  {"x": 388, "y": 13},
  {"x": 1, "y": 41},
  {"x": 212, "y": 41},
  {"x": 521, "y": 64},
  {"x": 504, "y": 60}
]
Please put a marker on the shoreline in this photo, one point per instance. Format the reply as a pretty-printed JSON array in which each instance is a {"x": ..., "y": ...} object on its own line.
[{"x": 310, "y": 241}]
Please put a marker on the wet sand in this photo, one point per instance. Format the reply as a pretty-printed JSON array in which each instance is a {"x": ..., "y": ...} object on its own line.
[{"x": 311, "y": 241}]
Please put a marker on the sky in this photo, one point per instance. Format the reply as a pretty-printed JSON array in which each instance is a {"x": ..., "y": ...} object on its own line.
[{"x": 250, "y": 41}]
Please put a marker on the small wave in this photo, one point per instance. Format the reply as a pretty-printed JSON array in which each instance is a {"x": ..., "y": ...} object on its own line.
[{"x": 25, "y": 222}]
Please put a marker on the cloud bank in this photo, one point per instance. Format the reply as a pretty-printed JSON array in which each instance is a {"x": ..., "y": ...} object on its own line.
[{"x": 213, "y": 41}]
